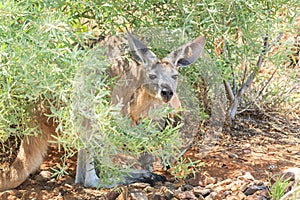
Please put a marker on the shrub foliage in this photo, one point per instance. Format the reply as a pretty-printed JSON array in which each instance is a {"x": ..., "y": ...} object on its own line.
[{"x": 40, "y": 58}]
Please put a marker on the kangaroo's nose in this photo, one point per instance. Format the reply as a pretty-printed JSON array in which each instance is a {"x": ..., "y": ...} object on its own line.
[{"x": 166, "y": 93}]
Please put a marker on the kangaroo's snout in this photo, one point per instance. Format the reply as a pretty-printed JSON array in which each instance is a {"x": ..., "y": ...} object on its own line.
[{"x": 166, "y": 93}]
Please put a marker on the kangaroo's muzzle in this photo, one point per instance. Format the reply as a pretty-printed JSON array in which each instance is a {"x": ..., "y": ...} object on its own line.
[{"x": 166, "y": 94}]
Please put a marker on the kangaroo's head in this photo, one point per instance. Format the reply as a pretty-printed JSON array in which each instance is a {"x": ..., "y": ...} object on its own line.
[{"x": 160, "y": 76}]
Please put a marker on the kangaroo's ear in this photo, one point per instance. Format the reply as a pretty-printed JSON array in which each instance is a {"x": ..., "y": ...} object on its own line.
[
  {"x": 140, "y": 51},
  {"x": 187, "y": 54}
]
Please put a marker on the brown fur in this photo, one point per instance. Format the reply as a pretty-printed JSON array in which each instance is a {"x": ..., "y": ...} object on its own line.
[
  {"x": 141, "y": 103},
  {"x": 30, "y": 155}
]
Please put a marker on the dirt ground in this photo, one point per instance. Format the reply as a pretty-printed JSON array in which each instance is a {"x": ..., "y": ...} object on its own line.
[{"x": 257, "y": 147}]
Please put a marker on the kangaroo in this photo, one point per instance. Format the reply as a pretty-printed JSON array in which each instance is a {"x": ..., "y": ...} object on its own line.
[{"x": 147, "y": 84}]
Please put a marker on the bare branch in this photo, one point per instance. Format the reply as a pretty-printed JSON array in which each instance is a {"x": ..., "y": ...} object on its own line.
[
  {"x": 246, "y": 84},
  {"x": 245, "y": 72},
  {"x": 259, "y": 94},
  {"x": 233, "y": 81},
  {"x": 260, "y": 61},
  {"x": 228, "y": 91},
  {"x": 265, "y": 86},
  {"x": 276, "y": 40}
]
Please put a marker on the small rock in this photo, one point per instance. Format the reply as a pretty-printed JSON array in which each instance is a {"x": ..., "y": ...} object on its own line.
[
  {"x": 232, "y": 198},
  {"x": 295, "y": 171},
  {"x": 123, "y": 195},
  {"x": 149, "y": 189},
  {"x": 246, "y": 177},
  {"x": 166, "y": 192},
  {"x": 138, "y": 195},
  {"x": 69, "y": 186},
  {"x": 209, "y": 180},
  {"x": 201, "y": 198},
  {"x": 42, "y": 194},
  {"x": 252, "y": 189},
  {"x": 186, "y": 187},
  {"x": 245, "y": 185},
  {"x": 45, "y": 174},
  {"x": 236, "y": 186},
  {"x": 262, "y": 194},
  {"x": 236, "y": 196},
  {"x": 213, "y": 196},
  {"x": 247, "y": 145},
  {"x": 202, "y": 191},
  {"x": 6, "y": 194},
  {"x": 240, "y": 195},
  {"x": 220, "y": 185},
  {"x": 46, "y": 187},
  {"x": 186, "y": 195},
  {"x": 227, "y": 193},
  {"x": 42, "y": 176},
  {"x": 246, "y": 151},
  {"x": 233, "y": 155},
  {"x": 201, "y": 180},
  {"x": 173, "y": 185},
  {"x": 20, "y": 193},
  {"x": 233, "y": 188},
  {"x": 52, "y": 180},
  {"x": 256, "y": 197},
  {"x": 139, "y": 185},
  {"x": 112, "y": 195},
  {"x": 157, "y": 196}
]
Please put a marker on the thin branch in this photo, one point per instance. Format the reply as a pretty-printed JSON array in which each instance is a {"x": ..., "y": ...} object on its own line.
[
  {"x": 245, "y": 86},
  {"x": 276, "y": 40},
  {"x": 253, "y": 74},
  {"x": 233, "y": 80},
  {"x": 228, "y": 91},
  {"x": 265, "y": 86},
  {"x": 260, "y": 61},
  {"x": 259, "y": 94},
  {"x": 245, "y": 72}
]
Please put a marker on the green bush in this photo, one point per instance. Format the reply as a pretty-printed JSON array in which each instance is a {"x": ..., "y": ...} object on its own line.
[
  {"x": 37, "y": 63},
  {"x": 40, "y": 62}
]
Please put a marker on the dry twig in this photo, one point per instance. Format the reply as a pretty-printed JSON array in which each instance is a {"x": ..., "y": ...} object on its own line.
[{"x": 246, "y": 84}]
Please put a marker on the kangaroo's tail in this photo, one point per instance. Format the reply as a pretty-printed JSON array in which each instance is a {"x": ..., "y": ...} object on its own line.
[{"x": 29, "y": 157}]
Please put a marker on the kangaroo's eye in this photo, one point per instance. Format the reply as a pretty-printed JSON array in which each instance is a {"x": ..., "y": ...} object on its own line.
[
  {"x": 152, "y": 76},
  {"x": 175, "y": 77}
]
